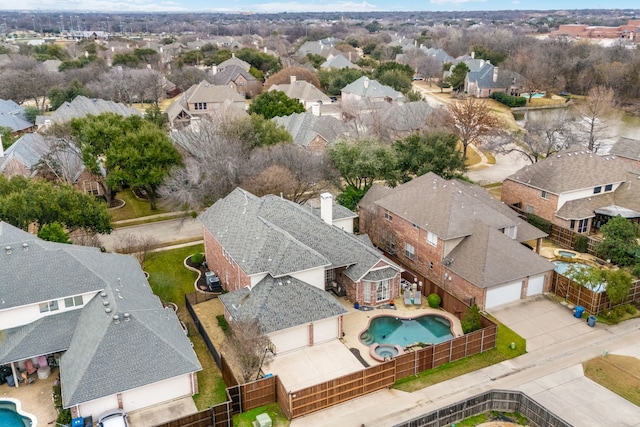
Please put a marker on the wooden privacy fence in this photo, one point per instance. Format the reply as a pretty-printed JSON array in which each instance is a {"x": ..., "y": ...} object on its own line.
[
  {"x": 321, "y": 396},
  {"x": 493, "y": 400},
  {"x": 566, "y": 238},
  {"x": 593, "y": 302}
]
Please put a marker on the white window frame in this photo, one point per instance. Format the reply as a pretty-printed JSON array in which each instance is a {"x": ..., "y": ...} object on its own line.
[
  {"x": 73, "y": 301},
  {"x": 48, "y": 306},
  {"x": 388, "y": 216},
  {"x": 409, "y": 250},
  {"x": 366, "y": 297},
  {"x": 544, "y": 194},
  {"x": 382, "y": 290},
  {"x": 432, "y": 239}
]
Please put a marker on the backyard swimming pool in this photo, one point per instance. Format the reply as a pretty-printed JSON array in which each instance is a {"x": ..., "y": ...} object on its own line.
[
  {"x": 534, "y": 96},
  {"x": 562, "y": 267},
  {"x": 11, "y": 417},
  {"x": 427, "y": 329}
]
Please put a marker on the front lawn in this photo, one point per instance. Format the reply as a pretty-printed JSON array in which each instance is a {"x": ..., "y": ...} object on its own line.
[
  {"x": 134, "y": 207},
  {"x": 617, "y": 373},
  {"x": 503, "y": 351},
  {"x": 170, "y": 281}
]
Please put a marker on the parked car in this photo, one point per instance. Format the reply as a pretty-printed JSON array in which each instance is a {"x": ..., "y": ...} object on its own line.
[{"x": 113, "y": 418}]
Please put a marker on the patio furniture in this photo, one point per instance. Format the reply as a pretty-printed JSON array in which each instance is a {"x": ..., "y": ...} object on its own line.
[
  {"x": 44, "y": 372},
  {"x": 42, "y": 361},
  {"x": 417, "y": 298},
  {"x": 407, "y": 297},
  {"x": 26, "y": 378}
]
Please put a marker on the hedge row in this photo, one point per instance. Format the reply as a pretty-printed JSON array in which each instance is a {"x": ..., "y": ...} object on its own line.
[{"x": 508, "y": 100}]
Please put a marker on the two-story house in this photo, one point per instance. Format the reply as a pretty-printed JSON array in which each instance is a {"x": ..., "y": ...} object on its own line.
[
  {"x": 91, "y": 318},
  {"x": 270, "y": 253},
  {"x": 457, "y": 236},
  {"x": 576, "y": 189},
  {"x": 201, "y": 99},
  {"x": 303, "y": 91}
]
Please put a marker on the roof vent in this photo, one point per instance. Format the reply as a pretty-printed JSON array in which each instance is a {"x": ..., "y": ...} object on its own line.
[
  {"x": 25, "y": 247},
  {"x": 103, "y": 294},
  {"x": 107, "y": 310},
  {"x": 127, "y": 317},
  {"x": 116, "y": 319},
  {"x": 105, "y": 303},
  {"x": 7, "y": 249}
]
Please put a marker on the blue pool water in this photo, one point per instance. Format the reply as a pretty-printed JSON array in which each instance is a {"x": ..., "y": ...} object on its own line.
[
  {"x": 567, "y": 254},
  {"x": 9, "y": 417},
  {"x": 535, "y": 95},
  {"x": 562, "y": 267},
  {"x": 428, "y": 329}
]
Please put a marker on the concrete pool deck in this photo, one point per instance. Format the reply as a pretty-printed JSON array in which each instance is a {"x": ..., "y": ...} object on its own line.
[
  {"x": 35, "y": 398},
  {"x": 356, "y": 321}
]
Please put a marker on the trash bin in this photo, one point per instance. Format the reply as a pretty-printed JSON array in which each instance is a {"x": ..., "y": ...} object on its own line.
[
  {"x": 591, "y": 321},
  {"x": 578, "y": 311}
]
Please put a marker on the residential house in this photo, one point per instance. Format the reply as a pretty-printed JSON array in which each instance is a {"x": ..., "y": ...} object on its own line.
[
  {"x": 255, "y": 243},
  {"x": 395, "y": 122},
  {"x": 626, "y": 149},
  {"x": 576, "y": 189},
  {"x": 303, "y": 91},
  {"x": 338, "y": 62},
  {"x": 323, "y": 48},
  {"x": 200, "y": 99},
  {"x": 457, "y": 236},
  {"x": 32, "y": 156},
  {"x": 310, "y": 131},
  {"x": 486, "y": 79},
  {"x": 238, "y": 79},
  {"x": 92, "y": 316},
  {"x": 12, "y": 116},
  {"x": 81, "y": 106},
  {"x": 231, "y": 62},
  {"x": 369, "y": 94}
]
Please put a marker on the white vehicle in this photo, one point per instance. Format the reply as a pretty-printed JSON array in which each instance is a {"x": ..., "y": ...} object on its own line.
[{"x": 113, "y": 418}]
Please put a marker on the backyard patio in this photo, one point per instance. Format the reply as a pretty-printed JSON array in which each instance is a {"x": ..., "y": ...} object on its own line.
[{"x": 35, "y": 398}]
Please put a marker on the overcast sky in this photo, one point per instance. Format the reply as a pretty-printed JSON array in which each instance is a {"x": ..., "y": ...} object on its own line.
[{"x": 116, "y": 6}]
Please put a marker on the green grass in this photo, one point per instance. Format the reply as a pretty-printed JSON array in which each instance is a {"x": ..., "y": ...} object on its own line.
[
  {"x": 246, "y": 418},
  {"x": 134, "y": 207},
  {"x": 170, "y": 281},
  {"x": 454, "y": 369},
  {"x": 473, "y": 421}
]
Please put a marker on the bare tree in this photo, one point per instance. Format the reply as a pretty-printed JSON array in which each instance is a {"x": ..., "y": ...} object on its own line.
[
  {"x": 544, "y": 135},
  {"x": 284, "y": 77},
  {"x": 472, "y": 119},
  {"x": 594, "y": 115},
  {"x": 251, "y": 347},
  {"x": 137, "y": 245},
  {"x": 27, "y": 79}
]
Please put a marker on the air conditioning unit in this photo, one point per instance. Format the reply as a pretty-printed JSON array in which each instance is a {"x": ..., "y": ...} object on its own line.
[{"x": 263, "y": 420}]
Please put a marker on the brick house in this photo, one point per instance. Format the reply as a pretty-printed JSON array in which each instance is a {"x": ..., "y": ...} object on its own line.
[
  {"x": 576, "y": 190},
  {"x": 238, "y": 79},
  {"x": 312, "y": 132},
  {"x": 303, "y": 91},
  {"x": 254, "y": 243},
  {"x": 457, "y": 236}
]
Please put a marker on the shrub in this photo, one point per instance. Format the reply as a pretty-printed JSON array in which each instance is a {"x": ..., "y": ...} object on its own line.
[
  {"x": 472, "y": 320},
  {"x": 636, "y": 270},
  {"x": 581, "y": 243},
  {"x": 434, "y": 300},
  {"x": 197, "y": 259},
  {"x": 222, "y": 322},
  {"x": 64, "y": 417},
  {"x": 539, "y": 223},
  {"x": 508, "y": 100}
]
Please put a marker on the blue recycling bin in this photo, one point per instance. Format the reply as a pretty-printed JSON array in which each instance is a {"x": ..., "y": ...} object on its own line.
[
  {"x": 77, "y": 422},
  {"x": 591, "y": 321},
  {"x": 578, "y": 311}
]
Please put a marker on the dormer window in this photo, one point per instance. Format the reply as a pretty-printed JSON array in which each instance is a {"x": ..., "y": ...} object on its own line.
[
  {"x": 511, "y": 231},
  {"x": 608, "y": 187},
  {"x": 597, "y": 190}
]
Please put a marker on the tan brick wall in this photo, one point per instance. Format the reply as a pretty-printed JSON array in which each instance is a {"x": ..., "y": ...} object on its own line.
[
  {"x": 15, "y": 167},
  {"x": 231, "y": 275},
  {"x": 317, "y": 144}
]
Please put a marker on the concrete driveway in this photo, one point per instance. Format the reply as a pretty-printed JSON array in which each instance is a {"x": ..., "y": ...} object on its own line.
[
  {"x": 163, "y": 233},
  {"x": 541, "y": 321}
]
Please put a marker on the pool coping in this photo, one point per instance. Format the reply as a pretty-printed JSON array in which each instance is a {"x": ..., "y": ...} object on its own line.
[{"x": 18, "y": 405}]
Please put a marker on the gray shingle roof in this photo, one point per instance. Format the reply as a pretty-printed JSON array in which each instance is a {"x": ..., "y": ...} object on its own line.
[
  {"x": 281, "y": 303},
  {"x": 305, "y": 127},
  {"x": 483, "y": 76},
  {"x": 302, "y": 91},
  {"x": 233, "y": 61},
  {"x": 339, "y": 62},
  {"x": 449, "y": 208},
  {"x": 273, "y": 235},
  {"x": 82, "y": 106},
  {"x": 103, "y": 357},
  {"x": 367, "y": 88},
  {"x": 207, "y": 92},
  {"x": 626, "y": 147},
  {"x": 231, "y": 73},
  {"x": 489, "y": 258},
  {"x": 28, "y": 150},
  {"x": 572, "y": 170}
]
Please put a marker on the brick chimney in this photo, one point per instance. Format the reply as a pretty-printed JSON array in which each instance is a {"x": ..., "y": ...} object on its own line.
[{"x": 293, "y": 79}]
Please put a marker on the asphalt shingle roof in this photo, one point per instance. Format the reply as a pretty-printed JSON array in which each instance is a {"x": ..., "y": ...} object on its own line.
[
  {"x": 82, "y": 106},
  {"x": 305, "y": 127},
  {"x": 302, "y": 91},
  {"x": 103, "y": 357},
  {"x": 28, "y": 150},
  {"x": 270, "y": 298},
  {"x": 367, "y": 88}
]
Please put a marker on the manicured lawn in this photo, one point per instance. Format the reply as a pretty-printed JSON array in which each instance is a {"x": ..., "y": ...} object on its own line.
[
  {"x": 620, "y": 374},
  {"x": 170, "y": 281},
  {"x": 134, "y": 207},
  {"x": 447, "y": 371},
  {"x": 246, "y": 418}
]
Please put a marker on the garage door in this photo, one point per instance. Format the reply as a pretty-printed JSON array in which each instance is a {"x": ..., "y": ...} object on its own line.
[
  {"x": 536, "y": 285},
  {"x": 291, "y": 339},
  {"x": 325, "y": 330},
  {"x": 503, "y": 294}
]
